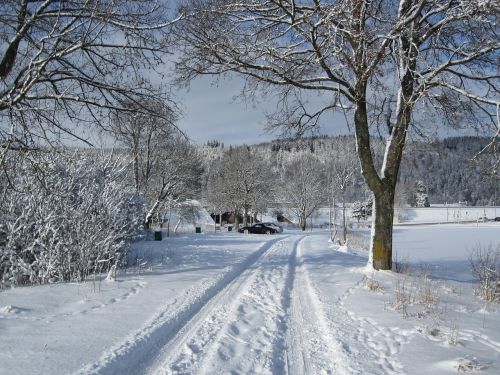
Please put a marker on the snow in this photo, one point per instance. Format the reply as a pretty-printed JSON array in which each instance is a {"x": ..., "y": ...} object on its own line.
[
  {"x": 406, "y": 216},
  {"x": 289, "y": 303},
  {"x": 200, "y": 218},
  {"x": 447, "y": 214}
]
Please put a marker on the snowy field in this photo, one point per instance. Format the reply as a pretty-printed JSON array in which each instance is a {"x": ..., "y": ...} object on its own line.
[
  {"x": 408, "y": 215},
  {"x": 447, "y": 214},
  {"x": 290, "y": 303}
]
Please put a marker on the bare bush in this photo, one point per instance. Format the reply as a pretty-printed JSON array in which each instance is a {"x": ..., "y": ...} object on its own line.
[
  {"x": 403, "y": 297},
  {"x": 453, "y": 337},
  {"x": 434, "y": 329},
  {"x": 427, "y": 294},
  {"x": 485, "y": 266},
  {"x": 470, "y": 365},
  {"x": 416, "y": 296},
  {"x": 372, "y": 284},
  {"x": 75, "y": 222}
]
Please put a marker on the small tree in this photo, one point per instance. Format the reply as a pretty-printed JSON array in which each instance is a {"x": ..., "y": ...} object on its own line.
[
  {"x": 301, "y": 189},
  {"x": 361, "y": 210},
  {"x": 340, "y": 173},
  {"x": 420, "y": 197},
  {"x": 358, "y": 210},
  {"x": 144, "y": 135},
  {"x": 176, "y": 177},
  {"x": 241, "y": 182}
]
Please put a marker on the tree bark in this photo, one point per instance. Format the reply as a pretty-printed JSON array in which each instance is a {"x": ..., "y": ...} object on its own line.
[{"x": 383, "y": 214}]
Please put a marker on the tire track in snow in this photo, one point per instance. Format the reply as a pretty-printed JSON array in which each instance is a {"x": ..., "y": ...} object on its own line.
[
  {"x": 310, "y": 347},
  {"x": 242, "y": 328},
  {"x": 140, "y": 350}
]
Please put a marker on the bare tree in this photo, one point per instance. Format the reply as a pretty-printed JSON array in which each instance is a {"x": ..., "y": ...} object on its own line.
[
  {"x": 301, "y": 189},
  {"x": 215, "y": 193},
  {"x": 386, "y": 63},
  {"x": 65, "y": 64},
  {"x": 240, "y": 182},
  {"x": 176, "y": 176},
  {"x": 144, "y": 135},
  {"x": 340, "y": 172}
]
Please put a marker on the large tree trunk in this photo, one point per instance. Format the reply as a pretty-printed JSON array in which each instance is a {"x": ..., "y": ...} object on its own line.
[
  {"x": 381, "y": 242},
  {"x": 383, "y": 186}
]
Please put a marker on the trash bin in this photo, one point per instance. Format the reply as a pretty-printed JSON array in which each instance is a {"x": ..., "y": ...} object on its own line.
[
  {"x": 198, "y": 229},
  {"x": 158, "y": 235},
  {"x": 229, "y": 229}
]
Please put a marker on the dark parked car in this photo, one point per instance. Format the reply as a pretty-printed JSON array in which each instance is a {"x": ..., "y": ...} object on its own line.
[
  {"x": 497, "y": 218},
  {"x": 278, "y": 228},
  {"x": 259, "y": 228}
]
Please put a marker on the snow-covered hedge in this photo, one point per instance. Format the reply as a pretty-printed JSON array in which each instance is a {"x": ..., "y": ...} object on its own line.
[{"x": 64, "y": 216}]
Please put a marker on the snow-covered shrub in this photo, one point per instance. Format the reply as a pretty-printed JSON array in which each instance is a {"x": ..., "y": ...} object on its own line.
[
  {"x": 427, "y": 292},
  {"x": 64, "y": 217},
  {"x": 416, "y": 296},
  {"x": 470, "y": 365},
  {"x": 485, "y": 265},
  {"x": 403, "y": 295},
  {"x": 372, "y": 284}
]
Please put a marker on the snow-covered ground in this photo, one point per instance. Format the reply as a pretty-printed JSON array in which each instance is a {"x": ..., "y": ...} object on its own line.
[
  {"x": 407, "y": 215},
  {"x": 290, "y": 303},
  {"x": 446, "y": 214}
]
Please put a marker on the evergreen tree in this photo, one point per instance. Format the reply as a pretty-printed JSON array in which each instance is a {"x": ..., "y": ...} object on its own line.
[{"x": 421, "y": 198}]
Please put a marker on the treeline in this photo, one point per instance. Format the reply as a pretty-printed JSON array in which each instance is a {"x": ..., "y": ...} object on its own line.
[
  {"x": 297, "y": 176},
  {"x": 444, "y": 166},
  {"x": 449, "y": 172},
  {"x": 246, "y": 181}
]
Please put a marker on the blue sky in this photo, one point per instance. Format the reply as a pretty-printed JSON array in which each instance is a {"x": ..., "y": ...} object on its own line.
[{"x": 212, "y": 112}]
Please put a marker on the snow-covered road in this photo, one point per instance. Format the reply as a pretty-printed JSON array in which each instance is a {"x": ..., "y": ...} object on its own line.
[{"x": 261, "y": 317}]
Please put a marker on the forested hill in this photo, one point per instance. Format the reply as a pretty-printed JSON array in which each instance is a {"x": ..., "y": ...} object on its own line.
[{"x": 444, "y": 166}]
